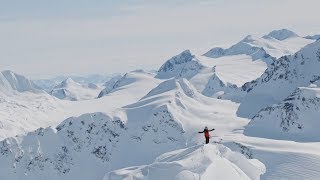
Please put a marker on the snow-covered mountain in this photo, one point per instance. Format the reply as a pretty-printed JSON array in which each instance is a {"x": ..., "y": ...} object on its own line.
[
  {"x": 73, "y": 91},
  {"x": 11, "y": 82},
  {"x": 268, "y": 48},
  {"x": 280, "y": 80},
  {"x": 145, "y": 125},
  {"x": 281, "y": 34},
  {"x": 183, "y": 65},
  {"x": 160, "y": 122},
  {"x": 120, "y": 82},
  {"x": 294, "y": 118}
]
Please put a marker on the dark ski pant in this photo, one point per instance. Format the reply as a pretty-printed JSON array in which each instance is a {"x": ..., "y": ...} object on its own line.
[{"x": 207, "y": 140}]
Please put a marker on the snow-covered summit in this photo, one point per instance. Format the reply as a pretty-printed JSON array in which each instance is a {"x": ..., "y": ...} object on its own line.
[
  {"x": 183, "y": 65},
  {"x": 128, "y": 80},
  {"x": 71, "y": 90},
  {"x": 281, "y": 34},
  {"x": 10, "y": 81},
  {"x": 218, "y": 162}
]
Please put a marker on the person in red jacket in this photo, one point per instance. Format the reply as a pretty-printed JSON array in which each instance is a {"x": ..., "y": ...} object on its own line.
[{"x": 206, "y": 134}]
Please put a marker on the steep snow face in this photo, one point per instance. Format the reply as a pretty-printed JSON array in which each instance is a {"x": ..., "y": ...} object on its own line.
[
  {"x": 70, "y": 90},
  {"x": 121, "y": 82},
  {"x": 217, "y": 88},
  {"x": 274, "y": 45},
  {"x": 183, "y": 65},
  {"x": 10, "y": 82},
  {"x": 212, "y": 162},
  {"x": 281, "y": 34},
  {"x": 288, "y": 73},
  {"x": 295, "y": 118}
]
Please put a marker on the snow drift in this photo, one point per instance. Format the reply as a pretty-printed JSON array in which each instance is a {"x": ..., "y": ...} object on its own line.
[{"x": 198, "y": 162}]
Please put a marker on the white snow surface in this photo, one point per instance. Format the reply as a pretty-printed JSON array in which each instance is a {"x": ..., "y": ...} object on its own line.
[{"x": 197, "y": 162}]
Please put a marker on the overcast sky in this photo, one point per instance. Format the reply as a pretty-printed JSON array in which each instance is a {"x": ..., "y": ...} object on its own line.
[{"x": 44, "y": 38}]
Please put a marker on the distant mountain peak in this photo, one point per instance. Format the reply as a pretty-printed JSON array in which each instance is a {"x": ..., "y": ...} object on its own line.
[
  {"x": 281, "y": 34},
  {"x": 10, "y": 81},
  {"x": 183, "y": 65}
]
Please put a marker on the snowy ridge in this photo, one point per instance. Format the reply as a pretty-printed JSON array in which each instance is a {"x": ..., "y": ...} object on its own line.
[
  {"x": 9, "y": 82},
  {"x": 274, "y": 45},
  {"x": 183, "y": 65},
  {"x": 295, "y": 118},
  {"x": 287, "y": 74},
  {"x": 217, "y": 162},
  {"x": 73, "y": 91}
]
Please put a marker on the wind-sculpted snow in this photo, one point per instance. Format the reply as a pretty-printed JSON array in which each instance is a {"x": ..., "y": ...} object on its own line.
[
  {"x": 295, "y": 118},
  {"x": 183, "y": 65},
  {"x": 287, "y": 74},
  {"x": 205, "y": 162}
]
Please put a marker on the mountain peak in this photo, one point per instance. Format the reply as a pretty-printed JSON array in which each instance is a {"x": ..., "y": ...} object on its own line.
[
  {"x": 182, "y": 65},
  {"x": 11, "y": 81},
  {"x": 281, "y": 34}
]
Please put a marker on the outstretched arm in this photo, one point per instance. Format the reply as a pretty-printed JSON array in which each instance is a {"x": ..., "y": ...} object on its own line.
[
  {"x": 211, "y": 129},
  {"x": 201, "y": 132}
]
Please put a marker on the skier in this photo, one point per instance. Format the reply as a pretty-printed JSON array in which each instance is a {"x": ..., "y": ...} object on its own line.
[{"x": 206, "y": 134}]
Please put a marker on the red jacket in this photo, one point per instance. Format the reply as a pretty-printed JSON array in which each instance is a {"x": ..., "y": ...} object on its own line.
[{"x": 206, "y": 132}]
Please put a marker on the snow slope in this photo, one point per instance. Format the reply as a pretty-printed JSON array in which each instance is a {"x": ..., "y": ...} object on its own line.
[
  {"x": 121, "y": 82},
  {"x": 73, "y": 91},
  {"x": 198, "y": 162},
  {"x": 287, "y": 74}
]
